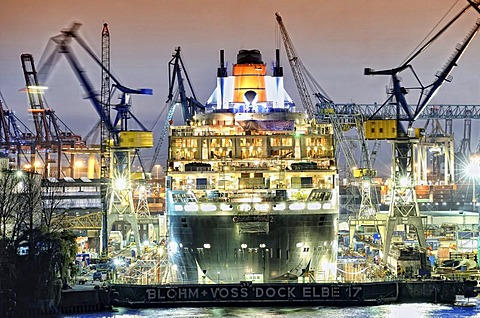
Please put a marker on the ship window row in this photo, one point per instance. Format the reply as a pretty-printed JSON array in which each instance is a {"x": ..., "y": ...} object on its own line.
[
  {"x": 225, "y": 166},
  {"x": 275, "y": 141},
  {"x": 246, "y": 153},
  {"x": 72, "y": 189},
  {"x": 182, "y": 131},
  {"x": 214, "y": 128},
  {"x": 318, "y": 142},
  {"x": 228, "y": 127},
  {"x": 323, "y": 129},
  {"x": 251, "y": 183},
  {"x": 278, "y": 141},
  {"x": 184, "y": 142}
]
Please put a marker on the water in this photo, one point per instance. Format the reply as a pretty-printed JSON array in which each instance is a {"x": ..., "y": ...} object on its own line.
[{"x": 397, "y": 310}]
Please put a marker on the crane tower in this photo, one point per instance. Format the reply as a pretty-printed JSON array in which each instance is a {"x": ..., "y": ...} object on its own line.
[{"x": 105, "y": 136}]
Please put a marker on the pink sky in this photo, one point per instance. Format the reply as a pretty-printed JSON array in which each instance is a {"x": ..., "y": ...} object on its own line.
[{"x": 335, "y": 39}]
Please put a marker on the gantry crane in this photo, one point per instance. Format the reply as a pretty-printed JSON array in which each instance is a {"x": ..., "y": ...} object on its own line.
[
  {"x": 177, "y": 95},
  {"x": 453, "y": 164},
  {"x": 124, "y": 140},
  {"x": 49, "y": 135},
  {"x": 404, "y": 207}
]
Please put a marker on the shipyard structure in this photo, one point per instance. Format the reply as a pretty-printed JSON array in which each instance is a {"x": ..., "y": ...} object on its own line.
[{"x": 250, "y": 210}]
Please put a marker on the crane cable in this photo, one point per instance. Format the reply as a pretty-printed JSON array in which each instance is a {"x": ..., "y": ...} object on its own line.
[
  {"x": 429, "y": 33},
  {"x": 159, "y": 116}
]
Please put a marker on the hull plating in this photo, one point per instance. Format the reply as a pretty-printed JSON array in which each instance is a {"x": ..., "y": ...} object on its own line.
[{"x": 224, "y": 249}]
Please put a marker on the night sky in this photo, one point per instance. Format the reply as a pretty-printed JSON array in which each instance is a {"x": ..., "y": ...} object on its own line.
[{"x": 335, "y": 39}]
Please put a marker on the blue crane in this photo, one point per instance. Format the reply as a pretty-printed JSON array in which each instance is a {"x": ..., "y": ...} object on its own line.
[
  {"x": 124, "y": 141},
  {"x": 119, "y": 123},
  {"x": 404, "y": 208},
  {"x": 190, "y": 105}
]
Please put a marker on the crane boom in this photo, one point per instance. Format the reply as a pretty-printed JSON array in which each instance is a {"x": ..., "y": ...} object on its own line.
[
  {"x": 300, "y": 73},
  {"x": 123, "y": 109},
  {"x": 398, "y": 92},
  {"x": 35, "y": 95},
  {"x": 105, "y": 135},
  {"x": 443, "y": 75},
  {"x": 49, "y": 135}
]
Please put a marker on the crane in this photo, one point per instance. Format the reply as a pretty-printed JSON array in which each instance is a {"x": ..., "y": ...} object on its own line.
[
  {"x": 300, "y": 73},
  {"x": 433, "y": 111},
  {"x": 190, "y": 105},
  {"x": 404, "y": 207},
  {"x": 124, "y": 140},
  {"x": 105, "y": 135},
  {"x": 341, "y": 121},
  {"x": 48, "y": 133}
]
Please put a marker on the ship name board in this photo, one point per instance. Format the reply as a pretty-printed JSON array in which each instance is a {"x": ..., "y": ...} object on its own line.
[{"x": 255, "y": 292}]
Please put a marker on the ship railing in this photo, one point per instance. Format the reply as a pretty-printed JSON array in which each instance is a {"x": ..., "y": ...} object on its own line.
[
  {"x": 303, "y": 186},
  {"x": 234, "y": 199},
  {"x": 263, "y": 198},
  {"x": 182, "y": 132}
]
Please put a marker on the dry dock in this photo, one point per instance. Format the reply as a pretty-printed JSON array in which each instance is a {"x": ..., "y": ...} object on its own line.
[{"x": 290, "y": 294}]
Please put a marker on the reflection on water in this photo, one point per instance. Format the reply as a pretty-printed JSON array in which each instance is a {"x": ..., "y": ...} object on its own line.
[{"x": 385, "y": 311}]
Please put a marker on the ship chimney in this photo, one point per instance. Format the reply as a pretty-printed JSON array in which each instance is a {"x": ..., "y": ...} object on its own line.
[
  {"x": 277, "y": 70},
  {"x": 222, "y": 70}
]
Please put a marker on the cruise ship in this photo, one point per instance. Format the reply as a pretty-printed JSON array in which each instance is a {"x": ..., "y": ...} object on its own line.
[{"x": 252, "y": 184}]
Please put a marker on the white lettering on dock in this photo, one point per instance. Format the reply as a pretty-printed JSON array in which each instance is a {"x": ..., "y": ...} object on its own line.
[
  {"x": 353, "y": 291},
  {"x": 321, "y": 292},
  {"x": 271, "y": 292},
  {"x": 224, "y": 293},
  {"x": 151, "y": 294}
]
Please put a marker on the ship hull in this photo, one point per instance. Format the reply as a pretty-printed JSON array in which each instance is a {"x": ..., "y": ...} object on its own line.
[{"x": 229, "y": 248}]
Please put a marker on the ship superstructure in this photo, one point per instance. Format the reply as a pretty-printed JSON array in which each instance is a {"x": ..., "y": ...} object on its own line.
[{"x": 252, "y": 190}]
